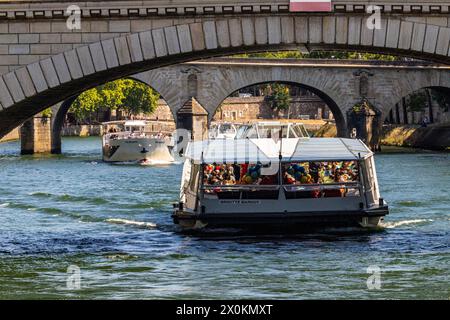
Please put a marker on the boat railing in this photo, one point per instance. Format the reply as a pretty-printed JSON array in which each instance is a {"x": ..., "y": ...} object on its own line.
[
  {"x": 322, "y": 186},
  {"x": 252, "y": 187},
  {"x": 270, "y": 192},
  {"x": 332, "y": 190},
  {"x": 128, "y": 135}
]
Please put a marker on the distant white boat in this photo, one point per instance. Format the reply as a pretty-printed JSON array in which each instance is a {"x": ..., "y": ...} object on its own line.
[
  {"x": 129, "y": 141},
  {"x": 259, "y": 130},
  {"x": 223, "y": 130},
  {"x": 272, "y": 130}
]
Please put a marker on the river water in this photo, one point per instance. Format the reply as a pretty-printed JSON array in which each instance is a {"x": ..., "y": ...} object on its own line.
[{"x": 113, "y": 223}]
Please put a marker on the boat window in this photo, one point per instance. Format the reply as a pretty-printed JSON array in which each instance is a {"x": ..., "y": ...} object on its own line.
[
  {"x": 267, "y": 132},
  {"x": 299, "y": 131},
  {"x": 321, "y": 179},
  {"x": 320, "y": 172},
  {"x": 227, "y": 129},
  {"x": 236, "y": 174},
  {"x": 251, "y": 133},
  {"x": 239, "y": 181},
  {"x": 241, "y": 132}
]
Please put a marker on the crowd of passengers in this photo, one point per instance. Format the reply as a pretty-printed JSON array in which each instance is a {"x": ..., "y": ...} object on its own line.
[
  {"x": 293, "y": 174},
  {"x": 320, "y": 172}
]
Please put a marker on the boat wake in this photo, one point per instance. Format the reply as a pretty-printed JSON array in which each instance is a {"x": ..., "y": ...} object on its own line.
[
  {"x": 139, "y": 224},
  {"x": 155, "y": 162},
  {"x": 148, "y": 162},
  {"x": 395, "y": 224}
]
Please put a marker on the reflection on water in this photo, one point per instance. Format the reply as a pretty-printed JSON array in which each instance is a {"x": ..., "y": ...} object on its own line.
[{"x": 114, "y": 223}]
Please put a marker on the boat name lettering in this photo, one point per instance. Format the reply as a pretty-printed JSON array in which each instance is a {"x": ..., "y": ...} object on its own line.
[{"x": 240, "y": 202}]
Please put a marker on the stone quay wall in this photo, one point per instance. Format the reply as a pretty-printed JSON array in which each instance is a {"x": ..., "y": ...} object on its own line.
[{"x": 13, "y": 135}]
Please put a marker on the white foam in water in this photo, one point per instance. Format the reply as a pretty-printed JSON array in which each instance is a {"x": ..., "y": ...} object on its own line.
[
  {"x": 4, "y": 205},
  {"x": 394, "y": 224},
  {"x": 132, "y": 223},
  {"x": 155, "y": 162}
]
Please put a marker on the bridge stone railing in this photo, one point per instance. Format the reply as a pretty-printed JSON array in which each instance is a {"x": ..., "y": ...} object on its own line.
[{"x": 33, "y": 30}]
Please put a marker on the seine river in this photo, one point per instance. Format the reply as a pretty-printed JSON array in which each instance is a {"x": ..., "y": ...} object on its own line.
[{"x": 61, "y": 213}]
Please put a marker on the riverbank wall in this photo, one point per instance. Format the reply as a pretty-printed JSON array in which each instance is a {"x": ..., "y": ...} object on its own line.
[
  {"x": 13, "y": 135},
  {"x": 81, "y": 131},
  {"x": 433, "y": 137}
]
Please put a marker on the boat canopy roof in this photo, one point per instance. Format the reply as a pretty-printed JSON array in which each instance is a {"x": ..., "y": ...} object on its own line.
[
  {"x": 135, "y": 123},
  {"x": 329, "y": 149},
  {"x": 268, "y": 150}
]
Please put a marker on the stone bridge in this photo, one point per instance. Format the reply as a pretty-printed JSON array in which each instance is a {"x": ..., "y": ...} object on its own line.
[
  {"x": 340, "y": 83},
  {"x": 44, "y": 63}
]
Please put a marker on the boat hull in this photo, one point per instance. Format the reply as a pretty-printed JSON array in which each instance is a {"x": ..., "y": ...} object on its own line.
[
  {"x": 365, "y": 219},
  {"x": 137, "y": 149}
]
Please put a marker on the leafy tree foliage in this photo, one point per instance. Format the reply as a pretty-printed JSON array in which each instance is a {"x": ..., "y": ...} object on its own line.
[
  {"x": 442, "y": 99},
  {"x": 417, "y": 101},
  {"x": 47, "y": 113},
  {"x": 278, "y": 96},
  {"x": 320, "y": 55},
  {"x": 125, "y": 95}
]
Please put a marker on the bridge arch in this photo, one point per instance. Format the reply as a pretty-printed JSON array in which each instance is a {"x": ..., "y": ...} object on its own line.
[
  {"x": 31, "y": 89},
  {"x": 331, "y": 103},
  {"x": 399, "y": 114}
]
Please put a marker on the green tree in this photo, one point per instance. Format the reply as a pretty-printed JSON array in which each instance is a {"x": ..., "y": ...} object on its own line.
[
  {"x": 320, "y": 55},
  {"x": 278, "y": 96},
  {"x": 47, "y": 113},
  {"x": 125, "y": 95},
  {"x": 442, "y": 99},
  {"x": 417, "y": 101},
  {"x": 138, "y": 98},
  {"x": 87, "y": 103}
]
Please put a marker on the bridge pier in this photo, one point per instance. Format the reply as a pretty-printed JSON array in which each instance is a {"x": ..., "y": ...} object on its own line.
[
  {"x": 193, "y": 117},
  {"x": 365, "y": 123},
  {"x": 35, "y": 135},
  {"x": 59, "y": 112}
]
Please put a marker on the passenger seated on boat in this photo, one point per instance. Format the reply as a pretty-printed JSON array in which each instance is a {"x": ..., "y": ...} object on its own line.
[
  {"x": 229, "y": 175},
  {"x": 321, "y": 173},
  {"x": 269, "y": 180},
  {"x": 218, "y": 175},
  {"x": 288, "y": 179},
  {"x": 252, "y": 174}
]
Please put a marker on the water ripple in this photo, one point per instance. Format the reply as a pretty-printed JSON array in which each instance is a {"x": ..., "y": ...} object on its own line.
[{"x": 114, "y": 223}]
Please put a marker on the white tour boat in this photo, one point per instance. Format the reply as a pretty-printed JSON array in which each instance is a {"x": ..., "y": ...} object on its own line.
[
  {"x": 268, "y": 129},
  {"x": 223, "y": 130},
  {"x": 298, "y": 181},
  {"x": 130, "y": 141}
]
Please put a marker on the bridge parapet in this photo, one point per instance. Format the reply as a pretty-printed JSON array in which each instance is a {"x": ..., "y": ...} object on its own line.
[
  {"x": 33, "y": 30},
  {"x": 19, "y": 9}
]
